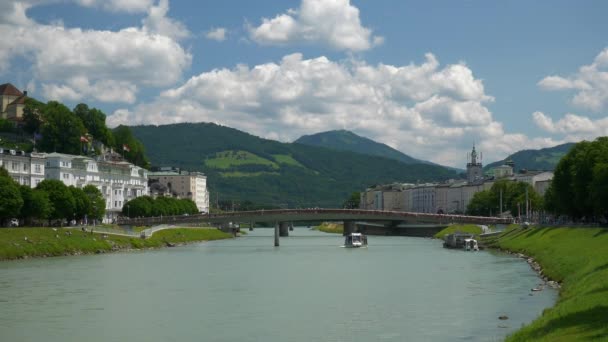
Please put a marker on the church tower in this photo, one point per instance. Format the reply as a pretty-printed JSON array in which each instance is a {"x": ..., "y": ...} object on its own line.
[{"x": 474, "y": 167}]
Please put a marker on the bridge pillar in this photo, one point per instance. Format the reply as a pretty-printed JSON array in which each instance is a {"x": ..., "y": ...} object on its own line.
[
  {"x": 349, "y": 227},
  {"x": 250, "y": 226},
  {"x": 291, "y": 226},
  {"x": 276, "y": 234},
  {"x": 283, "y": 229}
]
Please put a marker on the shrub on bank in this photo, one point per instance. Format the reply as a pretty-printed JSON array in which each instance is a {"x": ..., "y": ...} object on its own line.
[{"x": 464, "y": 228}]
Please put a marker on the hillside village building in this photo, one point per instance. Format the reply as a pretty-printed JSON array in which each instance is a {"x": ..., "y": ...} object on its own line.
[
  {"x": 12, "y": 102},
  {"x": 452, "y": 197},
  {"x": 184, "y": 184}
]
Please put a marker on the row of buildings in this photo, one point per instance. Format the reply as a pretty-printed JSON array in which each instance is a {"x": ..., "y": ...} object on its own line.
[
  {"x": 119, "y": 181},
  {"x": 450, "y": 197}
]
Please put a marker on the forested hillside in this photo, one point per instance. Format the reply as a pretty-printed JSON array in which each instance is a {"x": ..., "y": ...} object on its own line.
[
  {"x": 543, "y": 159},
  {"x": 240, "y": 166}
]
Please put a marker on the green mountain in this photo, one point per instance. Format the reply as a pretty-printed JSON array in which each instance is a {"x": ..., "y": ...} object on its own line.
[
  {"x": 241, "y": 167},
  {"x": 543, "y": 159},
  {"x": 343, "y": 140}
]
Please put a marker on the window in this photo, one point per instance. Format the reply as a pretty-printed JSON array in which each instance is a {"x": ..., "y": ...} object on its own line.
[
  {"x": 66, "y": 176},
  {"x": 15, "y": 166},
  {"x": 116, "y": 203},
  {"x": 24, "y": 167},
  {"x": 37, "y": 168}
]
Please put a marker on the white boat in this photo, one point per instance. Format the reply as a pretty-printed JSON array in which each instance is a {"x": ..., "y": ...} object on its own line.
[
  {"x": 355, "y": 240},
  {"x": 470, "y": 245}
]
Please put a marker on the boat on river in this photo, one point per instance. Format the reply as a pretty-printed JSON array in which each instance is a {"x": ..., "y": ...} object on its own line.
[
  {"x": 471, "y": 245},
  {"x": 355, "y": 240}
]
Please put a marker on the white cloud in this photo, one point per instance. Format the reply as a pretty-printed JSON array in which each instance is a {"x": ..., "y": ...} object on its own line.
[
  {"x": 425, "y": 110},
  {"x": 109, "y": 66},
  {"x": 590, "y": 82},
  {"x": 573, "y": 127},
  {"x": 157, "y": 22},
  {"x": 218, "y": 34},
  {"x": 335, "y": 23},
  {"x": 129, "y": 6}
]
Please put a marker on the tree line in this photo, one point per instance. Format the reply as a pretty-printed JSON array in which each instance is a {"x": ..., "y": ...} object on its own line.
[
  {"x": 579, "y": 188},
  {"x": 50, "y": 200},
  {"x": 146, "y": 206},
  {"x": 56, "y": 128}
]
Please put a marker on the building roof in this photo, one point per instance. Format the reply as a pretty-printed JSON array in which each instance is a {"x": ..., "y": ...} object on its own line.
[
  {"x": 19, "y": 101},
  {"x": 8, "y": 89}
]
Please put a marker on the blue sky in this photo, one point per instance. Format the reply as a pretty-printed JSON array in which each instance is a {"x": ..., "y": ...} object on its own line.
[{"x": 429, "y": 78}]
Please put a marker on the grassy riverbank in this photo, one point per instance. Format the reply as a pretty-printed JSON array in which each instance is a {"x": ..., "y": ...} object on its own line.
[
  {"x": 464, "y": 228},
  {"x": 328, "y": 227},
  {"x": 18, "y": 243},
  {"x": 578, "y": 259}
]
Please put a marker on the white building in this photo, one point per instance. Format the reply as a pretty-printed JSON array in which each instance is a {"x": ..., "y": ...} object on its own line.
[
  {"x": 185, "y": 184},
  {"x": 117, "y": 180},
  {"x": 24, "y": 168}
]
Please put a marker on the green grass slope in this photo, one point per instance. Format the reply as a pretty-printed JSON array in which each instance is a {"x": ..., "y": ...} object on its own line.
[
  {"x": 543, "y": 159},
  {"x": 577, "y": 258},
  {"x": 240, "y": 166}
]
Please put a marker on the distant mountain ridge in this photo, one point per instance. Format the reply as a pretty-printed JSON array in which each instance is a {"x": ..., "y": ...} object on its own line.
[
  {"x": 343, "y": 140},
  {"x": 542, "y": 159},
  {"x": 240, "y": 166}
]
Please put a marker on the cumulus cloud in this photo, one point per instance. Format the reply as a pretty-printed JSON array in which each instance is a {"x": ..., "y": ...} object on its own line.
[
  {"x": 425, "y": 109},
  {"x": 109, "y": 66},
  {"x": 129, "y": 6},
  {"x": 572, "y": 126},
  {"x": 218, "y": 34},
  {"x": 590, "y": 84},
  {"x": 157, "y": 22},
  {"x": 334, "y": 23}
]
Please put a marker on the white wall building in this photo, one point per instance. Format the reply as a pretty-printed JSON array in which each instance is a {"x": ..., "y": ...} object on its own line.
[
  {"x": 185, "y": 184},
  {"x": 118, "y": 181},
  {"x": 24, "y": 168}
]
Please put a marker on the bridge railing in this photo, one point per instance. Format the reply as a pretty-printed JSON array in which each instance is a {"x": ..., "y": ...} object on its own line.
[{"x": 236, "y": 215}]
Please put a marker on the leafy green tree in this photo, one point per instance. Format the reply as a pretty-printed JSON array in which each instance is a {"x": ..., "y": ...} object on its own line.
[
  {"x": 580, "y": 181},
  {"x": 61, "y": 130},
  {"x": 82, "y": 203},
  {"x": 36, "y": 204},
  {"x": 487, "y": 202},
  {"x": 138, "y": 207},
  {"x": 32, "y": 115},
  {"x": 482, "y": 204},
  {"x": 10, "y": 197},
  {"x": 6, "y": 126},
  {"x": 98, "y": 204},
  {"x": 64, "y": 205},
  {"x": 136, "y": 153},
  {"x": 94, "y": 121},
  {"x": 353, "y": 201}
]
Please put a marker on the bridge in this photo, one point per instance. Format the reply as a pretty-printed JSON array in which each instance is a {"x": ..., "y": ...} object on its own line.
[{"x": 352, "y": 218}]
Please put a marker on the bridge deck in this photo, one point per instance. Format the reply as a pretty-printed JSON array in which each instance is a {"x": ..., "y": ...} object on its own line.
[{"x": 294, "y": 215}]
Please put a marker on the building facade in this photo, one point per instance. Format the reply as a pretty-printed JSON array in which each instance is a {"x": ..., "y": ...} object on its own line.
[
  {"x": 25, "y": 168},
  {"x": 117, "y": 180},
  {"x": 184, "y": 184},
  {"x": 12, "y": 102}
]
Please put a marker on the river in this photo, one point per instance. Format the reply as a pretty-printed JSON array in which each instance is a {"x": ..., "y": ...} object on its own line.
[{"x": 308, "y": 289}]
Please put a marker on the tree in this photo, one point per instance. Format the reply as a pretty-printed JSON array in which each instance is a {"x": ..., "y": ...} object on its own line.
[
  {"x": 61, "y": 197},
  {"x": 61, "y": 129},
  {"x": 482, "y": 204},
  {"x": 136, "y": 153},
  {"x": 94, "y": 121},
  {"x": 36, "y": 204},
  {"x": 353, "y": 201},
  {"x": 10, "y": 197},
  {"x": 138, "y": 207},
  {"x": 82, "y": 203},
  {"x": 580, "y": 181},
  {"x": 32, "y": 120},
  {"x": 98, "y": 204}
]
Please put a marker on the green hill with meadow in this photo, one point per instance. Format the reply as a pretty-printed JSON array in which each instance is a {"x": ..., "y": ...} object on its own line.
[
  {"x": 242, "y": 167},
  {"x": 542, "y": 159}
]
